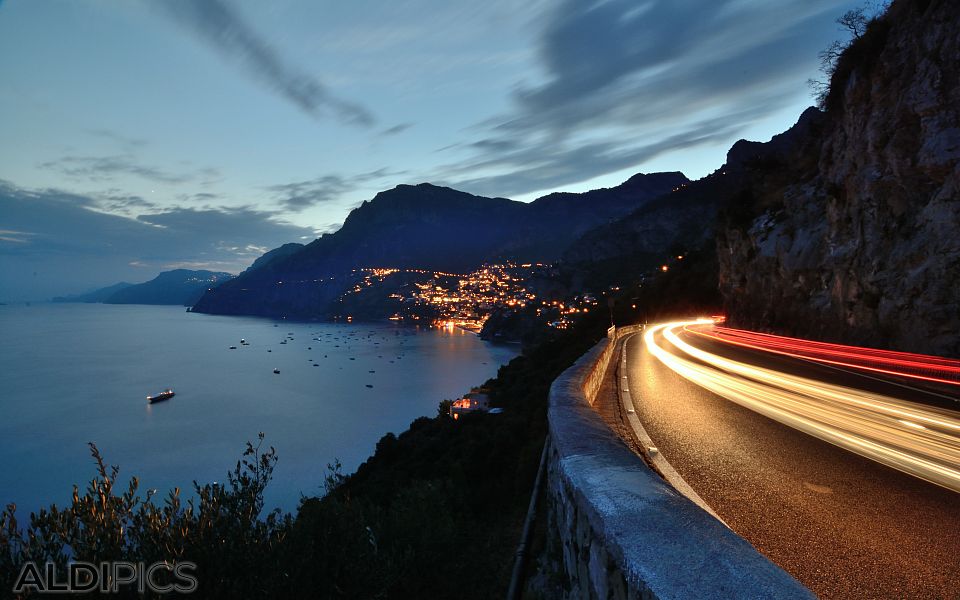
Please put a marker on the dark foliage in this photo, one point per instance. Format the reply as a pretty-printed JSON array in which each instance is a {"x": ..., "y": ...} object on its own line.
[
  {"x": 436, "y": 511},
  {"x": 237, "y": 549},
  {"x": 861, "y": 55},
  {"x": 866, "y": 28}
]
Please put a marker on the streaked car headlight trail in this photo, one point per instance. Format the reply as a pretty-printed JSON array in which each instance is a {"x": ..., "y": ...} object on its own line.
[{"x": 920, "y": 440}]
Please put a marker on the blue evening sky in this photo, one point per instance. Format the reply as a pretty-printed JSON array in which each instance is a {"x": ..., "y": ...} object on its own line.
[{"x": 200, "y": 133}]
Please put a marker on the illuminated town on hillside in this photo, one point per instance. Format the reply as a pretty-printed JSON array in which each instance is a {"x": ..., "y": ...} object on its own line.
[{"x": 466, "y": 301}]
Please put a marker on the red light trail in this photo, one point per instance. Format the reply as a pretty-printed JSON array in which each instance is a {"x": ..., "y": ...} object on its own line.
[
  {"x": 888, "y": 362},
  {"x": 921, "y": 440}
]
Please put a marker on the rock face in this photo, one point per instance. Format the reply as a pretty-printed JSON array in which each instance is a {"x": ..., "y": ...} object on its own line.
[
  {"x": 683, "y": 220},
  {"x": 861, "y": 243}
]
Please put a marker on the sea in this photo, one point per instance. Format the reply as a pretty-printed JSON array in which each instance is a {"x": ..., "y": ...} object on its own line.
[{"x": 71, "y": 374}]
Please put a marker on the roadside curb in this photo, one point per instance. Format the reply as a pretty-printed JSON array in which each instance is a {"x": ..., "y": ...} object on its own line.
[{"x": 649, "y": 449}]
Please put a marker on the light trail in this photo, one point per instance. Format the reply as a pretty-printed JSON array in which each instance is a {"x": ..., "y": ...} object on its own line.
[
  {"x": 888, "y": 362},
  {"x": 920, "y": 440}
]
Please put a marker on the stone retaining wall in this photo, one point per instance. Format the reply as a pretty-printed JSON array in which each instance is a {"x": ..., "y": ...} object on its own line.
[{"x": 616, "y": 529}]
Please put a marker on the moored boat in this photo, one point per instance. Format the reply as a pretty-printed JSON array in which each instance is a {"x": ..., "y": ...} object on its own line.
[{"x": 164, "y": 395}]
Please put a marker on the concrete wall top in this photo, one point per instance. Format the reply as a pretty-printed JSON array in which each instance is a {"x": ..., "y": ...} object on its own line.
[{"x": 666, "y": 546}]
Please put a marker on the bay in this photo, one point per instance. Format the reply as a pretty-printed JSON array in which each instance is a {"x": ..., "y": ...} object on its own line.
[{"x": 77, "y": 373}]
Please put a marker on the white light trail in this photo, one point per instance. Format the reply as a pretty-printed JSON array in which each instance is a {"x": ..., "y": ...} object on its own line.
[{"x": 920, "y": 440}]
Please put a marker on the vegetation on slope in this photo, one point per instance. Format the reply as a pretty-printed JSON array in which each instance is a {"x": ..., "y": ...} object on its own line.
[{"x": 435, "y": 512}]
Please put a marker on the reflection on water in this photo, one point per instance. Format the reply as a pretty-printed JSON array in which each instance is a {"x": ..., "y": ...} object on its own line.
[{"x": 76, "y": 373}]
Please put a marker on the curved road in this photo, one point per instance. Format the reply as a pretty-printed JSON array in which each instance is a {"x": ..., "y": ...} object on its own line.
[{"x": 846, "y": 526}]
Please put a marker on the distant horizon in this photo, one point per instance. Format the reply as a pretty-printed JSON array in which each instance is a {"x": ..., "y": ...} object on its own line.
[
  {"x": 167, "y": 268},
  {"x": 236, "y": 270}
]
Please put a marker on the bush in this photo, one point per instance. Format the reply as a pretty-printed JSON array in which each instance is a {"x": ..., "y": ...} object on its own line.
[{"x": 223, "y": 521}]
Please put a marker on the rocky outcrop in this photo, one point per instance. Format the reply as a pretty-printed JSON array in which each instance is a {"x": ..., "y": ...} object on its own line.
[
  {"x": 683, "y": 221},
  {"x": 860, "y": 241}
]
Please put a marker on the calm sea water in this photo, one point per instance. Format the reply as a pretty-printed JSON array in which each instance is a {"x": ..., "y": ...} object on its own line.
[{"x": 76, "y": 373}]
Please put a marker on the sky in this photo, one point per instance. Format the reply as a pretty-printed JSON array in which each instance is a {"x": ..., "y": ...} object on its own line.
[{"x": 145, "y": 135}]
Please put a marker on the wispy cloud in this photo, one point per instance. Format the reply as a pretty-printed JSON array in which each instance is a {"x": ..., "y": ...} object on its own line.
[
  {"x": 623, "y": 82},
  {"x": 73, "y": 244},
  {"x": 116, "y": 202},
  {"x": 554, "y": 166},
  {"x": 15, "y": 237},
  {"x": 396, "y": 129},
  {"x": 300, "y": 195},
  {"x": 109, "y": 168},
  {"x": 123, "y": 140},
  {"x": 219, "y": 25}
]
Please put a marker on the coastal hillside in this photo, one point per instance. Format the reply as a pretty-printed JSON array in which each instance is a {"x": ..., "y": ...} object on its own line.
[
  {"x": 682, "y": 220},
  {"x": 180, "y": 287},
  {"x": 860, "y": 240},
  {"x": 275, "y": 254},
  {"x": 98, "y": 295},
  {"x": 427, "y": 227}
]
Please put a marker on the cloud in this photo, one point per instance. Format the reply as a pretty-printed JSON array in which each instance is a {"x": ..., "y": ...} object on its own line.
[
  {"x": 396, "y": 129},
  {"x": 109, "y": 168},
  {"x": 300, "y": 195},
  {"x": 15, "y": 237},
  {"x": 221, "y": 26},
  {"x": 73, "y": 246},
  {"x": 117, "y": 202},
  {"x": 121, "y": 139},
  {"x": 539, "y": 168},
  {"x": 623, "y": 82}
]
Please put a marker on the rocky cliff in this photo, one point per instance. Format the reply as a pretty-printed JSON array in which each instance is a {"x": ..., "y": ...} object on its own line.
[
  {"x": 861, "y": 240},
  {"x": 683, "y": 220}
]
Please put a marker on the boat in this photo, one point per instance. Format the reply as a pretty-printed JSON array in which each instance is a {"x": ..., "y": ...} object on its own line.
[
  {"x": 164, "y": 395},
  {"x": 277, "y": 371}
]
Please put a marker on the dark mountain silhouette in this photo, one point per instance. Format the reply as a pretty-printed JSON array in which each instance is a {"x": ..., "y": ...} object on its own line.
[
  {"x": 428, "y": 227},
  {"x": 685, "y": 219},
  {"x": 180, "y": 286},
  {"x": 281, "y": 252},
  {"x": 99, "y": 295}
]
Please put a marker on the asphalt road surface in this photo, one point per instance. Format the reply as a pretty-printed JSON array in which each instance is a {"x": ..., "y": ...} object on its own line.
[{"x": 844, "y": 525}]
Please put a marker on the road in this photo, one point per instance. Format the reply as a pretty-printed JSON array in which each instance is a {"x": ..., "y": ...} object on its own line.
[{"x": 829, "y": 510}]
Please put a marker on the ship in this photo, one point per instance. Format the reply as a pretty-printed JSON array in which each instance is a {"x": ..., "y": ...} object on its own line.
[{"x": 164, "y": 395}]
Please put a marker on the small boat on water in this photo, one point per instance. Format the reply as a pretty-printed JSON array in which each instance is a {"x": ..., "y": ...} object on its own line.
[
  {"x": 164, "y": 395},
  {"x": 276, "y": 371}
]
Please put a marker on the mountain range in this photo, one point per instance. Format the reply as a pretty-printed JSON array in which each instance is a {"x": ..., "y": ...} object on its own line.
[
  {"x": 181, "y": 287},
  {"x": 844, "y": 227},
  {"x": 428, "y": 227}
]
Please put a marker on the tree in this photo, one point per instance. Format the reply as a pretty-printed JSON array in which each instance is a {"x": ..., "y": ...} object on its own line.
[{"x": 854, "y": 23}]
